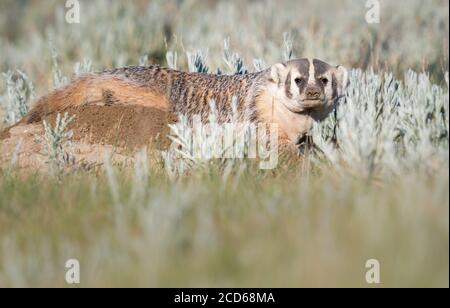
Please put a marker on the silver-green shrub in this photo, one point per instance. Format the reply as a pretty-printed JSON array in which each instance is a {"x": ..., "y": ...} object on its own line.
[
  {"x": 387, "y": 125},
  {"x": 57, "y": 144},
  {"x": 16, "y": 102},
  {"x": 197, "y": 61},
  {"x": 59, "y": 80}
]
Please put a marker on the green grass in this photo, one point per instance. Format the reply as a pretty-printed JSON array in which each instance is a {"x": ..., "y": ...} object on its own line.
[{"x": 257, "y": 229}]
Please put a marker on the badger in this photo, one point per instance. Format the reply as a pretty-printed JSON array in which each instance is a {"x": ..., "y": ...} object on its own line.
[{"x": 293, "y": 95}]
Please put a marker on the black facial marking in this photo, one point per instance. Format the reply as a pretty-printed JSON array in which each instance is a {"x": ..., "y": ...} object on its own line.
[
  {"x": 302, "y": 83},
  {"x": 320, "y": 68},
  {"x": 303, "y": 68},
  {"x": 302, "y": 65},
  {"x": 288, "y": 86}
]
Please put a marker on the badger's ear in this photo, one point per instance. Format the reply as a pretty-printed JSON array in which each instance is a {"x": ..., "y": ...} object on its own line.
[
  {"x": 341, "y": 74},
  {"x": 278, "y": 73}
]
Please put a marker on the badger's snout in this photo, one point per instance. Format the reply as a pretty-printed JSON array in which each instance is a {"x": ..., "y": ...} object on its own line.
[
  {"x": 312, "y": 97},
  {"x": 313, "y": 92}
]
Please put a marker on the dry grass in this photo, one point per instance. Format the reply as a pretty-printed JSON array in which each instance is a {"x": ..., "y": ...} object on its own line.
[{"x": 275, "y": 229}]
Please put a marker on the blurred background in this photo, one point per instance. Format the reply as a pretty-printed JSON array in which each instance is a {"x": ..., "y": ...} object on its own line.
[{"x": 411, "y": 33}]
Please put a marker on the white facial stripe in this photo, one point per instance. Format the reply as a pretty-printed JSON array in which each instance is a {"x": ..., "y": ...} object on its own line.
[{"x": 312, "y": 72}]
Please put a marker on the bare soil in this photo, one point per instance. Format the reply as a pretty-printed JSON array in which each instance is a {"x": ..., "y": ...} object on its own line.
[{"x": 97, "y": 129}]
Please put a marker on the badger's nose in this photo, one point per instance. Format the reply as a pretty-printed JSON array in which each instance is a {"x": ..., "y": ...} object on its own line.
[{"x": 312, "y": 93}]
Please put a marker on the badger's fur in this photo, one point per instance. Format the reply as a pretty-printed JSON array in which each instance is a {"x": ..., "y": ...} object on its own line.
[{"x": 292, "y": 95}]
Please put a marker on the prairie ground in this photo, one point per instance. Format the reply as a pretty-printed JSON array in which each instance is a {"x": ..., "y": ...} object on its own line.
[{"x": 275, "y": 229}]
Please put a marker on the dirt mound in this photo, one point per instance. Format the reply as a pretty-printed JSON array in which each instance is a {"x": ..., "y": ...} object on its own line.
[
  {"x": 96, "y": 129},
  {"x": 130, "y": 127}
]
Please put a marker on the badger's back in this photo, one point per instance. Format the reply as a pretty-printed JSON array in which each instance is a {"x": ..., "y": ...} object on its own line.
[
  {"x": 102, "y": 88},
  {"x": 150, "y": 86}
]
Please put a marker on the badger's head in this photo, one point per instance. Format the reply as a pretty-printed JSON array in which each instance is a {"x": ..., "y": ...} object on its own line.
[{"x": 308, "y": 86}]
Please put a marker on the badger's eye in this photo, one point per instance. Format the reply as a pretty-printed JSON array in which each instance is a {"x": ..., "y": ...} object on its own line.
[
  {"x": 324, "y": 80},
  {"x": 298, "y": 80}
]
